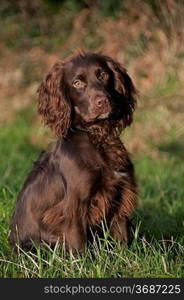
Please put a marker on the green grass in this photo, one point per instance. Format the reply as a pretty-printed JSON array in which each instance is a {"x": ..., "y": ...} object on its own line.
[{"x": 157, "y": 248}]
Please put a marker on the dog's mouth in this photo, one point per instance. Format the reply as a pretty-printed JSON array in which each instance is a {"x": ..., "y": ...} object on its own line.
[
  {"x": 95, "y": 116},
  {"x": 103, "y": 116},
  {"x": 107, "y": 113}
]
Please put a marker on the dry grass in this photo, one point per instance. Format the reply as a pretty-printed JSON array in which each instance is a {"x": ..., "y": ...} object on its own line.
[{"x": 147, "y": 40}]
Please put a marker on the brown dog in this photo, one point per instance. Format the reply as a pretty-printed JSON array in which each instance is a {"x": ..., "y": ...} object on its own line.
[{"x": 87, "y": 174}]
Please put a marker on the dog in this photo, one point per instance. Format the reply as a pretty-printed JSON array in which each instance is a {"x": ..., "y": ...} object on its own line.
[{"x": 86, "y": 176}]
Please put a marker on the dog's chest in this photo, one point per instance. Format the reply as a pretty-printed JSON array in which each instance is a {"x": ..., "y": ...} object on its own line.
[
  {"x": 114, "y": 176},
  {"x": 115, "y": 156},
  {"x": 120, "y": 174}
]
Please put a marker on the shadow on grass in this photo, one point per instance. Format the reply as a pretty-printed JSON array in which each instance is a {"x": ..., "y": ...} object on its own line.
[
  {"x": 174, "y": 148},
  {"x": 160, "y": 209},
  {"x": 160, "y": 223}
]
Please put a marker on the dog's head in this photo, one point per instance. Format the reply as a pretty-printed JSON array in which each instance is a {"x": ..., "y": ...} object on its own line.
[{"x": 86, "y": 89}]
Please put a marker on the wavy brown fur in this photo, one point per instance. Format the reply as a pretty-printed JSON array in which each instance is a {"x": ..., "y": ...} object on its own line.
[{"x": 87, "y": 175}]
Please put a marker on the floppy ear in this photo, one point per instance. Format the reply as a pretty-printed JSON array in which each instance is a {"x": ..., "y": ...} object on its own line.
[
  {"x": 125, "y": 87},
  {"x": 53, "y": 106}
]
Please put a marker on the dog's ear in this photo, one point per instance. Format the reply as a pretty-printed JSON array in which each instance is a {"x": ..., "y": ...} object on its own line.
[
  {"x": 53, "y": 105},
  {"x": 125, "y": 87}
]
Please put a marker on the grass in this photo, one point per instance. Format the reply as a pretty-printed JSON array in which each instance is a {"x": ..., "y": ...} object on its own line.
[{"x": 158, "y": 219}]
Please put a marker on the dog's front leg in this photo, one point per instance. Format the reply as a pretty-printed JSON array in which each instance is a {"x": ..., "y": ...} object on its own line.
[
  {"x": 120, "y": 224},
  {"x": 66, "y": 221},
  {"x": 74, "y": 233},
  {"x": 119, "y": 229}
]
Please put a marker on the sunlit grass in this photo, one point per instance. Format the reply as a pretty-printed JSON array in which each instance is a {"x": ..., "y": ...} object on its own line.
[{"x": 157, "y": 248}]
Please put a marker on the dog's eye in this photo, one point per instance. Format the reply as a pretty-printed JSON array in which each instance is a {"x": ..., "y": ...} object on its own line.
[
  {"x": 78, "y": 83},
  {"x": 103, "y": 75}
]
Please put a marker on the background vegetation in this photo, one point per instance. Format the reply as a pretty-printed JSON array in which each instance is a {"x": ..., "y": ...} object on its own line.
[{"x": 147, "y": 38}]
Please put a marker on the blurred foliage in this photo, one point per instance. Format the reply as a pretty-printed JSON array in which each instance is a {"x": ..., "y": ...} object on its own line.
[
  {"x": 145, "y": 36},
  {"x": 105, "y": 7}
]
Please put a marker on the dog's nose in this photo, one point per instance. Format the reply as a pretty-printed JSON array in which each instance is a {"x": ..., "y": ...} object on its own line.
[{"x": 100, "y": 101}]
